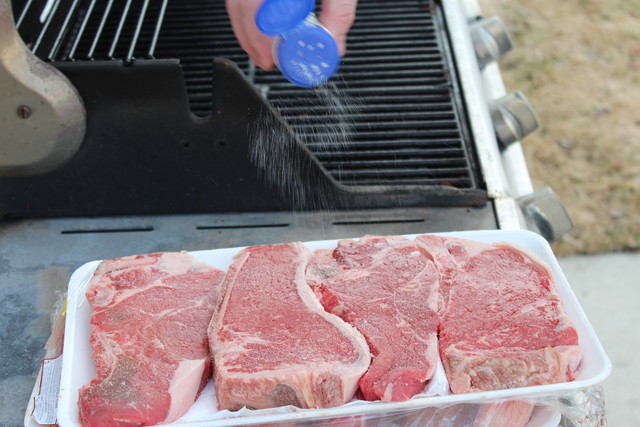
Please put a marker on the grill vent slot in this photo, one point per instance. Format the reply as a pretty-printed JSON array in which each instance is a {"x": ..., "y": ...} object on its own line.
[{"x": 394, "y": 115}]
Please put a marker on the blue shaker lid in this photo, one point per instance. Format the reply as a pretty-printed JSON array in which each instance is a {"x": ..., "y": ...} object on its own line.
[
  {"x": 308, "y": 57},
  {"x": 275, "y": 17},
  {"x": 307, "y": 54}
]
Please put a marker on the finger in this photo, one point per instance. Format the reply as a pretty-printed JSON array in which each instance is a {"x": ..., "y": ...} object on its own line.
[
  {"x": 261, "y": 44},
  {"x": 337, "y": 16},
  {"x": 253, "y": 42},
  {"x": 236, "y": 17}
]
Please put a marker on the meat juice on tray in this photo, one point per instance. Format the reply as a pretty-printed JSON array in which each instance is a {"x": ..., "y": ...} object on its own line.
[{"x": 369, "y": 320}]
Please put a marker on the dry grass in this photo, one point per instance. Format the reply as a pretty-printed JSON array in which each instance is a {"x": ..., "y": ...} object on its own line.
[{"x": 578, "y": 62}]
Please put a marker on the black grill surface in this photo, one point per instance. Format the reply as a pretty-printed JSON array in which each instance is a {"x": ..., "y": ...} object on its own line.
[{"x": 393, "y": 115}]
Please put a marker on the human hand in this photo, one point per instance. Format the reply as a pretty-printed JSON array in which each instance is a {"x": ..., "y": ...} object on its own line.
[{"x": 337, "y": 16}]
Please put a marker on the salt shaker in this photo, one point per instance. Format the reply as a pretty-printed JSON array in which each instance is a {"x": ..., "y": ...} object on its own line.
[{"x": 304, "y": 51}]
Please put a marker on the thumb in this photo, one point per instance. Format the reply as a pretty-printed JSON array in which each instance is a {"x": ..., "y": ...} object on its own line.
[{"x": 337, "y": 16}]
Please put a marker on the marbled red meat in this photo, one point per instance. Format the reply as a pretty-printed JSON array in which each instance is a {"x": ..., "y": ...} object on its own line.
[
  {"x": 149, "y": 323},
  {"x": 503, "y": 325},
  {"x": 273, "y": 344},
  {"x": 387, "y": 288}
]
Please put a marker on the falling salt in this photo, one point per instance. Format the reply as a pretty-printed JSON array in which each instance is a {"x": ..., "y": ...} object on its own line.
[{"x": 328, "y": 124}]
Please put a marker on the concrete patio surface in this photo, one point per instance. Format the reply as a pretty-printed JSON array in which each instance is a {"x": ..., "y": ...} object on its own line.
[{"x": 608, "y": 288}]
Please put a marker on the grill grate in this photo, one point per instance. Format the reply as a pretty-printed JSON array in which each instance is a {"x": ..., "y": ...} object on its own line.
[
  {"x": 93, "y": 29},
  {"x": 405, "y": 127},
  {"x": 392, "y": 116}
]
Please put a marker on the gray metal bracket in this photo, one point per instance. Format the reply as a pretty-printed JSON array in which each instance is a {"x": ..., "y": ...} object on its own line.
[{"x": 42, "y": 118}]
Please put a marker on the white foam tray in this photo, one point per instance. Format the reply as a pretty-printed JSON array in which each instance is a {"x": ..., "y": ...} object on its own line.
[{"x": 78, "y": 368}]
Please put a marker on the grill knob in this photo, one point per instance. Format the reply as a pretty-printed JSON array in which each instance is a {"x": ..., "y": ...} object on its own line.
[
  {"x": 513, "y": 118},
  {"x": 546, "y": 214},
  {"x": 491, "y": 40}
]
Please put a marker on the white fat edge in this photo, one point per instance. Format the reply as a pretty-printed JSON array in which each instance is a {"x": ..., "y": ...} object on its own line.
[
  {"x": 168, "y": 262},
  {"x": 430, "y": 270},
  {"x": 300, "y": 379},
  {"x": 387, "y": 396},
  {"x": 306, "y": 384},
  {"x": 312, "y": 302},
  {"x": 108, "y": 345},
  {"x": 117, "y": 297},
  {"x": 471, "y": 247},
  {"x": 565, "y": 322},
  {"x": 173, "y": 263},
  {"x": 321, "y": 272},
  {"x": 184, "y": 387},
  {"x": 532, "y": 306},
  {"x": 433, "y": 354},
  {"x": 392, "y": 243},
  {"x": 575, "y": 356},
  {"x": 198, "y": 264},
  {"x": 418, "y": 281},
  {"x": 225, "y": 290},
  {"x": 105, "y": 295},
  {"x": 435, "y": 296},
  {"x": 289, "y": 371},
  {"x": 157, "y": 343},
  {"x": 483, "y": 340},
  {"x": 393, "y": 240},
  {"x": 299, "y": 371},
  {"x": 568, "y": 355}
]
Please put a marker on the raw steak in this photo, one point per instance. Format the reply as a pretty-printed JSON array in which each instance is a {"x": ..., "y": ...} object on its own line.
[
  {"x": 149, "y": 338},
  {"x": 273, "y": 344},
  {"x": 387, "y": 289},
  {"x": 503, "y": 325},
  {"x": 449, "y": 255}
]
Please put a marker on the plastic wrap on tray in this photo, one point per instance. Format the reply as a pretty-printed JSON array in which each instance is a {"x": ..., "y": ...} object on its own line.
[
  {"x": 575, "y": 403},
  {"x": 583, "y": 407}
]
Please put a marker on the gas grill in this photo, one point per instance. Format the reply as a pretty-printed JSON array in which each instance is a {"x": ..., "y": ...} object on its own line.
[
  {"x": 390, "y": 131},
  {"x": 169, "y": 138}
]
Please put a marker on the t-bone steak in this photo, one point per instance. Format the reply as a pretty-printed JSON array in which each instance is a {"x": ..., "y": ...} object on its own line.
[
  {"x": 503, "y": 324},
  {"x": 387, "y": 288},
  {"x": 149, "y": 338},
  {"x": 273, "y": 343}
]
